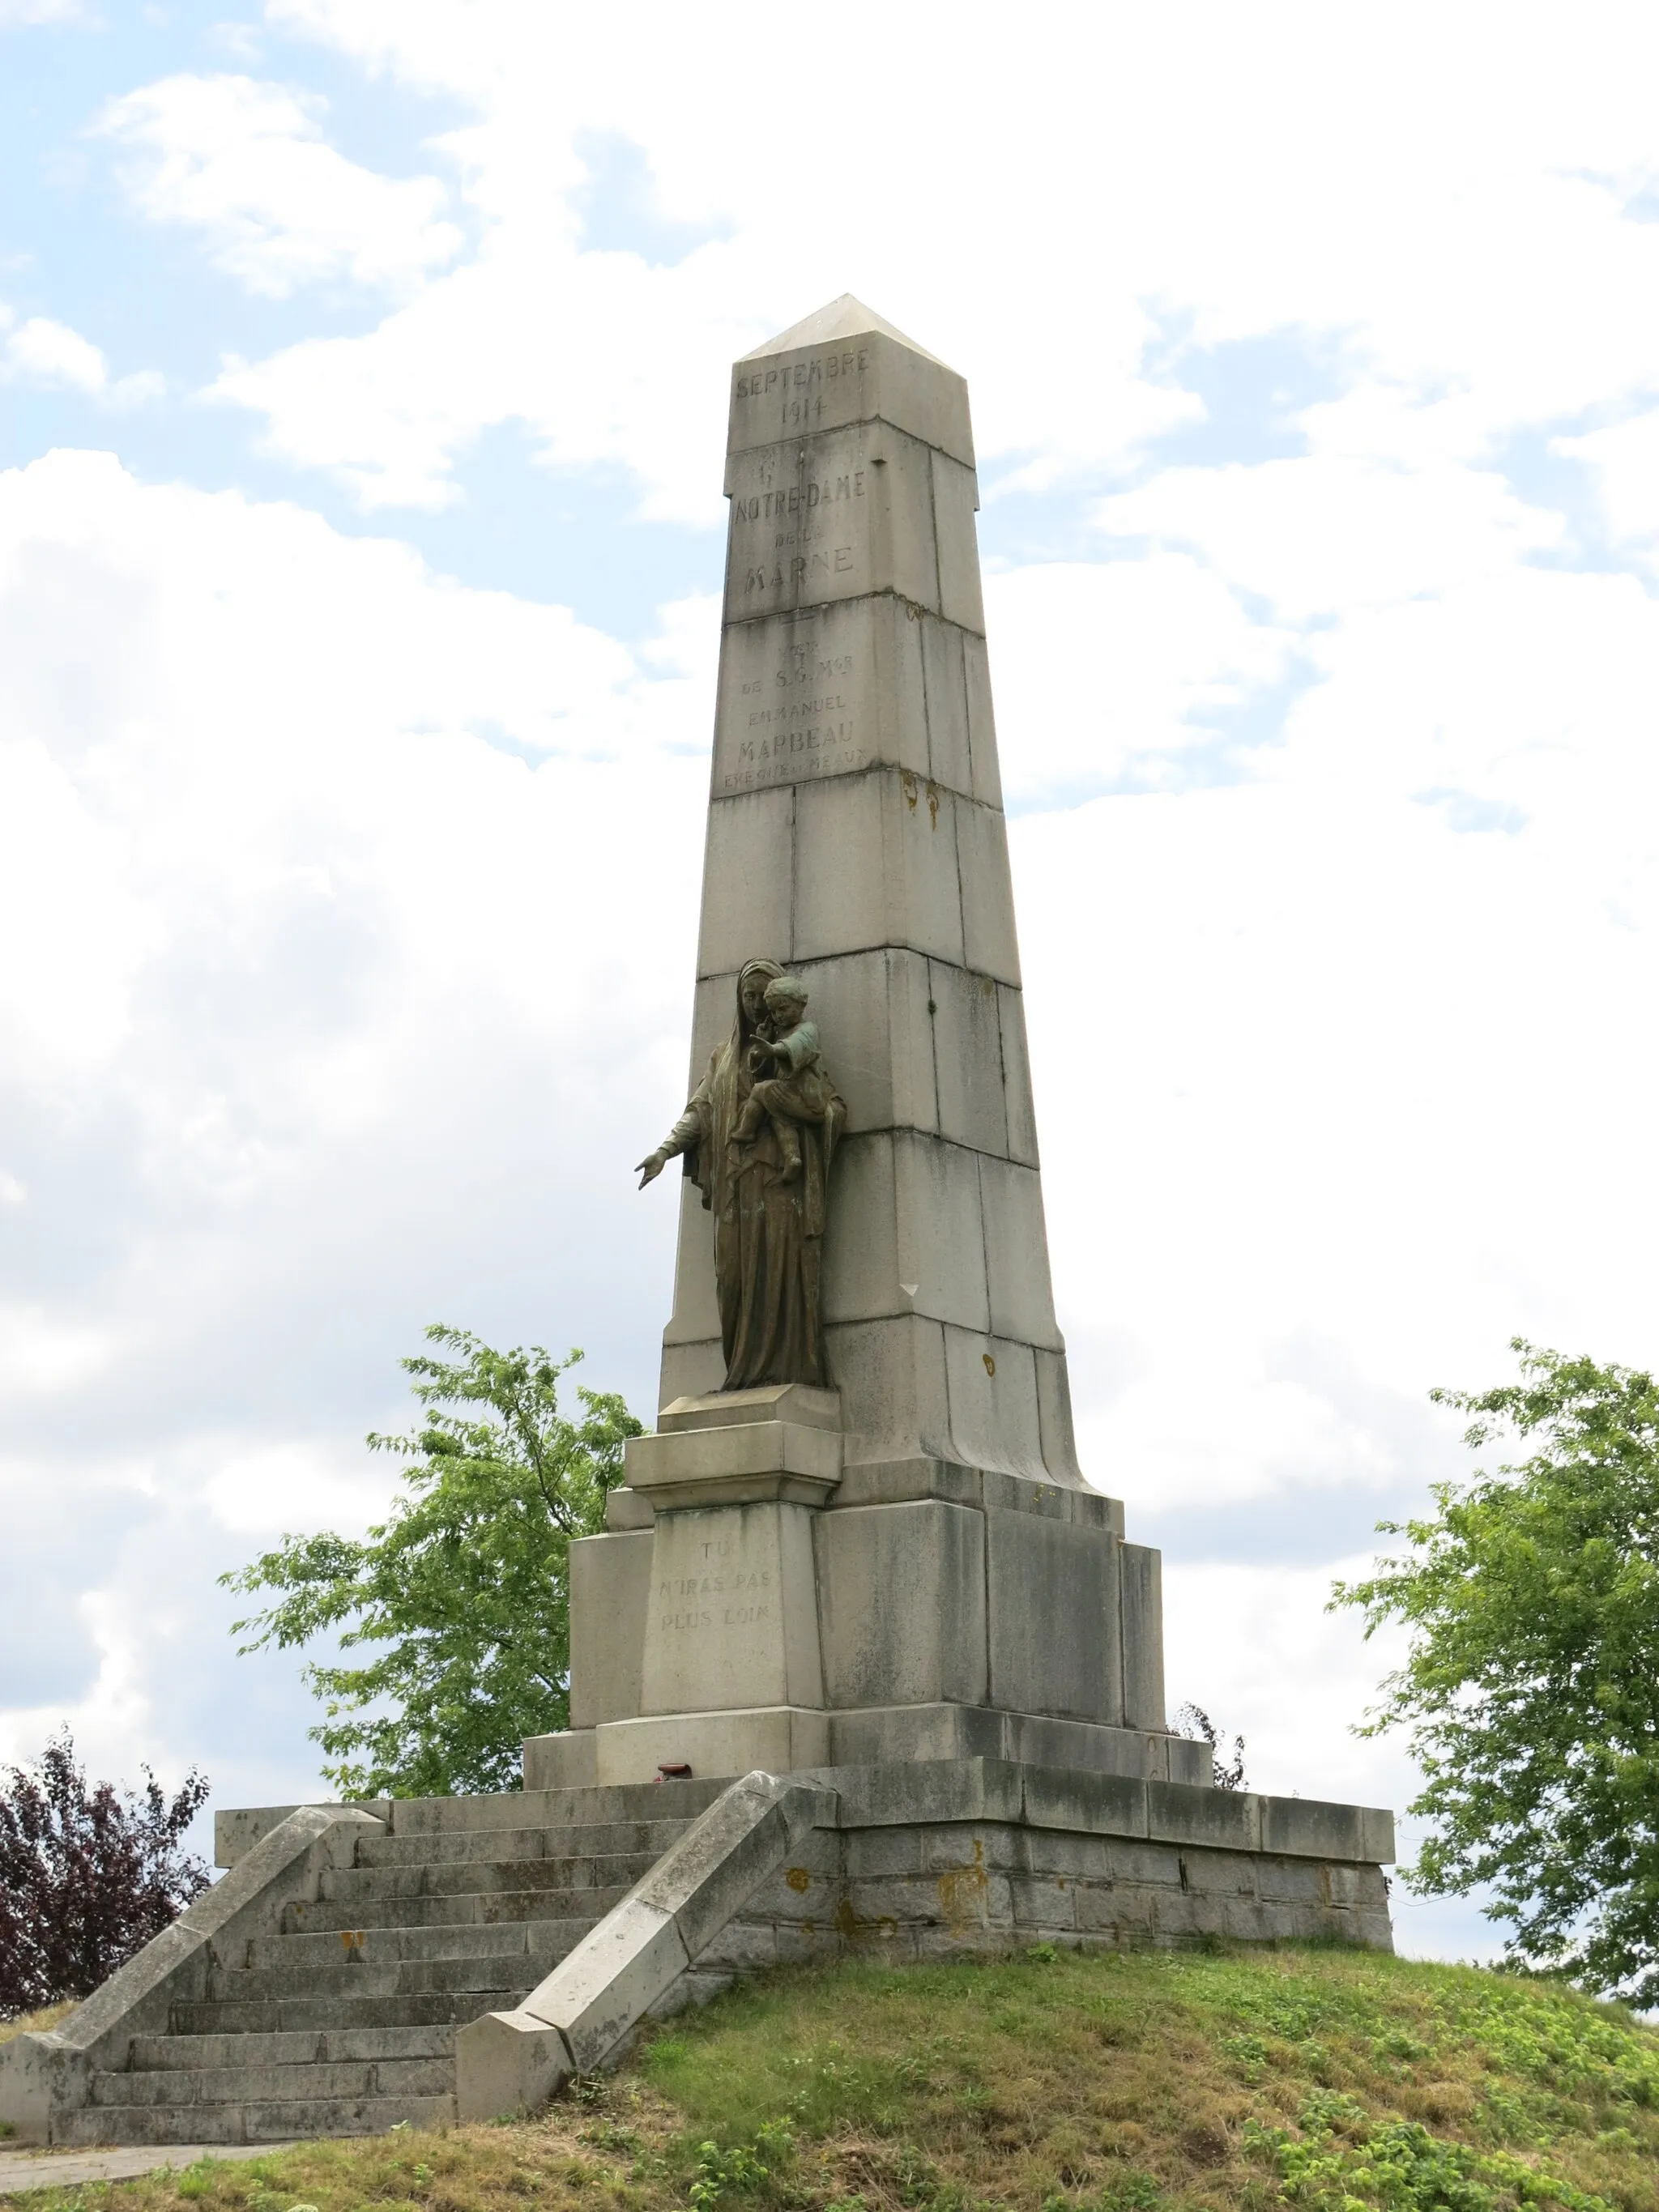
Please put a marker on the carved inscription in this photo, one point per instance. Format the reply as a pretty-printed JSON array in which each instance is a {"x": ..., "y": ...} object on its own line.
[
  {"x": 803, "y": 515},
  {"x": 798, "y": 392},
  {"x": 719, "y": 1596},
  {"x": 803, "y": 724}
]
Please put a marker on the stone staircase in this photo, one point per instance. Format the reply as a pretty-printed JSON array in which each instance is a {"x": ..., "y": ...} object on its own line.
[{"x": 344, "y": 2023}]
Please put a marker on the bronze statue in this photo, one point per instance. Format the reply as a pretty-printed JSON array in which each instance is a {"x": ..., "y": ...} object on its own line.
[{"x": 757, "y": 1137}]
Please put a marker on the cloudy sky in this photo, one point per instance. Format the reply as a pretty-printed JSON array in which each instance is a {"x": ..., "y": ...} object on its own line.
[{"x": 362, "y": 410}]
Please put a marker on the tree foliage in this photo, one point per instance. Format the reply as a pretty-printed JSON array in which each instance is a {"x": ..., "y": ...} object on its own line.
[
  {"x": 1224, "y": 1773},
  {"x": 464, "y": 1588},
  {"x": 1531, "y": 1689},
  {"x": 88, "y": 1875}
]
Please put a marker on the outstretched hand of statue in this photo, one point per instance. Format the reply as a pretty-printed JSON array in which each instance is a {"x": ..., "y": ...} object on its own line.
[{"x": 651, "y": 1167}]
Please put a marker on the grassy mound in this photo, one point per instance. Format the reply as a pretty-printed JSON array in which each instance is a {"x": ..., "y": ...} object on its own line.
[{"x": 1114, "y": 2082}]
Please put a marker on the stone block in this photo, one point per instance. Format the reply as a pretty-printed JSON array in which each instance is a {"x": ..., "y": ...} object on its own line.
[
  {"x": 1305, "y": 1827},
  {"x": 1019, "y": 1106},
  {"x": 695, "y": 1320},
  {"x": 750, "y": 1462},
  {"x": 1052, "y": 1605},
  {"x": 882, "y": 1853},
  {"x": 1042, "y": 1901},
  {"x": 955, "y": 497},
  {"x": 876, "y": 864},
  {"x": 1085, "y": 1858},
  {"x": 861, "y": 1259},
  {"x": 733, "y": 1618},
  {"x": 621, "y": 1967},
  {"x": 939, "y": 1238},
  {"x": 1018, "y": 1493},
  {"x": 992, "y": 1383},
  {"x": 827, "y": 690},
  {"x": 843, "y": 365},
  {"x": 508, "y": 2063},
  {"x": 1226, "y": 1873},
  {"x": 1059, "y": 1442},
  {"x": 1100, "y": 1908},
  {"x": 950, "y": 760},
  {"x": 925, "y": 1792},
  {"x": 1225, "y": 1819},
  {"x": 890, "y": 1373},
  {"x": 1140, "y": 1572},
  {"x": 690, "y": 1369},
  {"x": 1090, "y": 1804},
  {"x": 968, "y": 1055},
  {"x": 874, "y": 1007},
  {"x": 988, "y": 893},
  {"x": 566, "y": 1760},
  {"x": 957, "y": 1847},
  {"x": 626, "y": 1513},
  {"x": 1017, "y": 1255},
  {"x": 780, "y": 1738},
  {"x": 747, "y": 880},
  {"x": 746, "y": 1947},
  {"x": 799, "y": 1404},
  {"x": 888, "y": 1734},
  {"x": 610, "y": 1589},
  {"x": 1190, "y": 1760},
  {"x": 901, "y": 1604},
  {"x": 982, "y": 722},
  {"x": 726, "y": 1855}
]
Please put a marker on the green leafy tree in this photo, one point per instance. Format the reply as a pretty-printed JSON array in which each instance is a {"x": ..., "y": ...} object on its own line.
[
  {"x": 1531, "y": 1690},
  {"x": 464, "y": 1588}
]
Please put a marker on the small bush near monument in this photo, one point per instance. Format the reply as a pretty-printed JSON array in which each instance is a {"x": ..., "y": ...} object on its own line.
[
  {"x": 89, "y": 1873},
  {"x": 1224, "y": 1773},
  {"x": 1343, "y": 2081},
  {"x": 1531, "y": 1691},
  {"x": 465, "y": 1587}
]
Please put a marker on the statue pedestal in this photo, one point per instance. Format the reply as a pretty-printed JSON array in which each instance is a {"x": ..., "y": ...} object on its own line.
[{"x": 732, "y": 1671}]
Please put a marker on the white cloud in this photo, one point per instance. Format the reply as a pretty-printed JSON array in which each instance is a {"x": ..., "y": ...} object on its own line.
[
  {"x": 43, "y": 353},
  {"x": 40, "y": 11},
  {"x": 1624, "y": 462},
  {"x": 246, "y": 165},
  {"x": 1191, "y": 182}
]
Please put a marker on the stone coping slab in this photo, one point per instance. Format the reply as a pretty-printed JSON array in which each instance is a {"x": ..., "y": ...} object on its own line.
[
  {"x": 23, "y": 2170},
  {"x": 1110, "y": 1805}
]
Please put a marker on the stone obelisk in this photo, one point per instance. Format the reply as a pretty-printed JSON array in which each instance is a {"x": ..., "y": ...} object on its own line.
[
  {"x": 856, "y": 834},
  {"x": 907, "y": 1562}
]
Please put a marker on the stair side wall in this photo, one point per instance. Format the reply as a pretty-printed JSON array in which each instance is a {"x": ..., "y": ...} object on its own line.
[{"x": 45, "y": 2077}]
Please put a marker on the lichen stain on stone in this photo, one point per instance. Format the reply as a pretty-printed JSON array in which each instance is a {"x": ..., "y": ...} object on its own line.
[
  {"x": 909, "y": 783},
  {"x": 799, "y": 1880},
  {"x": 962, "y": 1894},
  {"x": 851, "y": 1926}
]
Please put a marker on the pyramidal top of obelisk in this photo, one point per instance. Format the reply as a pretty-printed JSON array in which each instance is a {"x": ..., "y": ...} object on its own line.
[{"x": 856, "y": 839}]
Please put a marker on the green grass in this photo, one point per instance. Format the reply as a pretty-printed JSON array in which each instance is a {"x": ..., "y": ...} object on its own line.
[{"x": 1113, "y": 2082}]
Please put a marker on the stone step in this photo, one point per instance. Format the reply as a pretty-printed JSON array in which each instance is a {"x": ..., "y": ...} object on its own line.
[
  {"x": 554, "y": 1808},
  {"x": 494, "y": 1845},
  {"x": 399, "y": 1977},
  {"x": 163, "y": 2053},
  {"x": 329, "y": 2015},
  {"x": 506, "y": 1937},
  {"x": 274, "y": 2120},
  {"x": 345, "y": 1886},
  {"x": 233, "y": 2084},
  {"x": 379, "y": 1915}
]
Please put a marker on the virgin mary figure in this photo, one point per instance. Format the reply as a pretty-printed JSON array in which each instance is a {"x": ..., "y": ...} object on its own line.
[{"x": 768, "y": 1215}]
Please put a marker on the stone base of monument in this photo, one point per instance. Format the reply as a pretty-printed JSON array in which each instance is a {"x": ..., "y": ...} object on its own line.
[
  {"x": 422, "y": 1960},
  {"x": 760, "y": 1602}
]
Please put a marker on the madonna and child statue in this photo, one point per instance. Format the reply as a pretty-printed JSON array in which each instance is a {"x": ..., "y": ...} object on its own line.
[{"x": 757, "y": 1137}]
